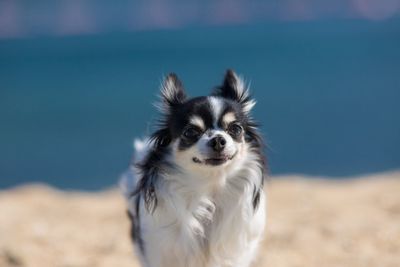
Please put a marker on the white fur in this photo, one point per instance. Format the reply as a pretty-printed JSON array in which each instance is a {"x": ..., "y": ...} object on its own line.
[
  {"x": 242, "y": 90},
  {"x": 216, "y": 106},
  {"x": 205, "y": 216},
  {"x": 248, "y": 106},
  {"x": 168, "y": 88}
]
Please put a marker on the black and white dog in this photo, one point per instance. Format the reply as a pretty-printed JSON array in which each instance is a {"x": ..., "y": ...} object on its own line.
[{"x": 195, "y": 189}]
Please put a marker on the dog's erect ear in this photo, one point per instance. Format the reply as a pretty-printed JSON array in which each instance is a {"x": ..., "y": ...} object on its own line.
[
  {"x": 172, "y": 92},
  {"x": 234, "y": 88}
]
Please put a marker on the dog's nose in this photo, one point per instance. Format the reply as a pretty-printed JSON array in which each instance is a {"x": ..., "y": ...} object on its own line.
[{"x": 217, "y": 143}]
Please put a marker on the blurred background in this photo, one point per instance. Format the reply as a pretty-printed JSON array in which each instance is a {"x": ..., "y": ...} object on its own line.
[{"x": 78, "y": 79}]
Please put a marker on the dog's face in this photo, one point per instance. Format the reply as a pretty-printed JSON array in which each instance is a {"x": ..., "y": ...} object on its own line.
[{"x": 207, "y": 133}]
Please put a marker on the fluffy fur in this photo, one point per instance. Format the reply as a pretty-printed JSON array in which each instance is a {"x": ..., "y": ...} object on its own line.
[{"x": 195, "y": 189}]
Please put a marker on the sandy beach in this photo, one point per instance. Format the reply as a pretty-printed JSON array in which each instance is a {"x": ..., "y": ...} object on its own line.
[{"x": 311, "y": 222}]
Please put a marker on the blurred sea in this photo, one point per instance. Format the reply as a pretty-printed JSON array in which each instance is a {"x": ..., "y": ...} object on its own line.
[{"x": 328, "y": 96}]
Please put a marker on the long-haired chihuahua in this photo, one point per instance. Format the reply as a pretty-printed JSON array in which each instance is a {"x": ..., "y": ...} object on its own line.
[{"x": 195, "y": 187}]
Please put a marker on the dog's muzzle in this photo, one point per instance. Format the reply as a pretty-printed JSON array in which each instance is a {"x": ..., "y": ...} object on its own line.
[{"x": 215, "y": 161}]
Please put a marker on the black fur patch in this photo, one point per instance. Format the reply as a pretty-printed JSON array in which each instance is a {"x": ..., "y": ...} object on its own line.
[
  {"x": 229, "y": 89},
  {"x": 152, "y": 167},
  {"x": 254, "y": 138},
  {"x": 136, "y": 234}
]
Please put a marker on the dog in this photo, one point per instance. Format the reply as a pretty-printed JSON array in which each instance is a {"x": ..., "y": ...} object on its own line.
[{"x": 195, "y": 187}]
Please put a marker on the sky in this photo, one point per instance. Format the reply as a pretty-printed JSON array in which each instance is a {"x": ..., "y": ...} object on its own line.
[{"x": 24, "y": 18}]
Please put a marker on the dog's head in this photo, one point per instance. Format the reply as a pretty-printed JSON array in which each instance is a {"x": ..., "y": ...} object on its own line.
[{"x": 209, "y": 133}]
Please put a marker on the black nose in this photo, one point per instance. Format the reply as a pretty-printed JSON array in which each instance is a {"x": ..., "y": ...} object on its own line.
[{"x": 217, "y": 143}]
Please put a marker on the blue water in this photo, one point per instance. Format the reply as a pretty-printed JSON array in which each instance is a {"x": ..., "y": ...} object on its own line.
[{"x": 328, "y": 96}]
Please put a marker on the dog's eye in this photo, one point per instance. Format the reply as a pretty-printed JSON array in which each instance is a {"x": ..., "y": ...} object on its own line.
[
  {"x": 235, "y": 129},
  {"x": 191, "y": 132}
]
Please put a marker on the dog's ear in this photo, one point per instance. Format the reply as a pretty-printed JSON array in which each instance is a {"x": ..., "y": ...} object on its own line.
[
  {"x": 234, "y": 88},
  {"x": 172, "y": 96},
  {"x": 172, "y": 92}
]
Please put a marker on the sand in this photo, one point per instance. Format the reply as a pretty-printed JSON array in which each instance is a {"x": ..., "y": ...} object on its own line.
[{"x": 311, "y": 222}]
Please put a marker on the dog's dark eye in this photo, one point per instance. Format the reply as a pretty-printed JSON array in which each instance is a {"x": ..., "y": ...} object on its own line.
[
  {"x": 235, "y": 129},
  {"x": 191, "y": 132}
]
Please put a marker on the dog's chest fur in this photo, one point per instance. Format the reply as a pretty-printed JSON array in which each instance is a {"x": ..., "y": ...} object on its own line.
[{"x": 215, "y": 227}]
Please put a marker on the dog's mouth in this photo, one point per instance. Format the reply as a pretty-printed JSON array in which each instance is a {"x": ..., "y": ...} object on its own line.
[{"x": 215, "y": 161}]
